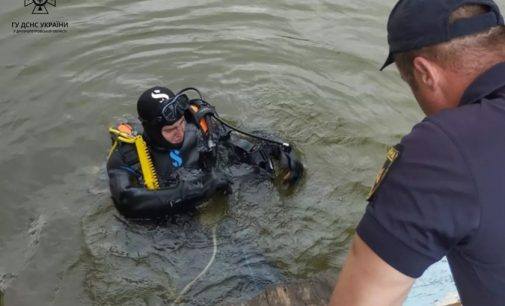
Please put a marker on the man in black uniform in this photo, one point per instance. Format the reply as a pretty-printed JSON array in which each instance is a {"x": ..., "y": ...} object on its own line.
[
  {"x": 441, "y": 191},
  {"x": 184, "y": 140}
]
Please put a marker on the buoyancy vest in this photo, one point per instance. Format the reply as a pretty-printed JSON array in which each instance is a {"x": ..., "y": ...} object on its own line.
[{"x": 124, "y": 132}]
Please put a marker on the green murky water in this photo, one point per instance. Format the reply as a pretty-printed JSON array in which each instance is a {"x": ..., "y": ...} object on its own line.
[{"x": 307, "y": 70}]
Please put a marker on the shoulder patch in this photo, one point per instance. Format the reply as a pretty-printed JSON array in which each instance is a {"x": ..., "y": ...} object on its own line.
[{"x": 392, "y": 155}]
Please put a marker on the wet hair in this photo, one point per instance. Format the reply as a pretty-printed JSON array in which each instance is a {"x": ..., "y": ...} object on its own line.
[{"x": 471, "y": 54}]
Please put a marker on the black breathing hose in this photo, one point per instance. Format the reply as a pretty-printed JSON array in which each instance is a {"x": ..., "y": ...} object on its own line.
[{"x": 285, "y": 145}]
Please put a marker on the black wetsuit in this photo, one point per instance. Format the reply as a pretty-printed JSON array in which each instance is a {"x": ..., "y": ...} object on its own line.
[{"x": 178, "y": 190}]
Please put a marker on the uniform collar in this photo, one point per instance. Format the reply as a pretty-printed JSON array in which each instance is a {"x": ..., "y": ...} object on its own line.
[{"x": 485, "y": 84}]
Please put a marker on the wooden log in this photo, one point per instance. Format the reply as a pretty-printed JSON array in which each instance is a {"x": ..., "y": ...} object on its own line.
[
  {"x": 316, "y": 292},
  {"x": 310, "y": 293}
]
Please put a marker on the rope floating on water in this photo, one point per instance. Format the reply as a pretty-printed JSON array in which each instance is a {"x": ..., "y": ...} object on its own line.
[{"x": 211, "y": 261}]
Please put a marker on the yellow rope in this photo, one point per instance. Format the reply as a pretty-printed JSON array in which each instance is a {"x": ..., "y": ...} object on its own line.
[{"x": 114, "y": 146}]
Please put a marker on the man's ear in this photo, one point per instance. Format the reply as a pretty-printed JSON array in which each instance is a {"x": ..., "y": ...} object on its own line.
[{"x": 425, "y": 72}]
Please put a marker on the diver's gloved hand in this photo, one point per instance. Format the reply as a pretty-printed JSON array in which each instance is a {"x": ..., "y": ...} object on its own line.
[
  {"x": 217, "y": 182},
  {"x": 292, "y": 165}
]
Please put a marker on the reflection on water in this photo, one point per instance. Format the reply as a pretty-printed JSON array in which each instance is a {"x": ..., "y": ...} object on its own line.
[{"x": 306, "y": 71}]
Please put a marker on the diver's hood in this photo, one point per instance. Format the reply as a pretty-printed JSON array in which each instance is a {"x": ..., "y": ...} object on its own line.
[{"x": 149, "y": 108}]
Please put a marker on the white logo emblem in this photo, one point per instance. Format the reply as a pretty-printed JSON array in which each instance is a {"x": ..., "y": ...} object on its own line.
[{"x": 157, "y": 95}]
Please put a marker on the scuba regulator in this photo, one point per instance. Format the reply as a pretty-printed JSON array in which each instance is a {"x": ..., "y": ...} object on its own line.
[{"x": 204, "y": 110}]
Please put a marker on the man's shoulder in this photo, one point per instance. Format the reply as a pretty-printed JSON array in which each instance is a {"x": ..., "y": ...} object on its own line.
[
  {"x": 472, "y": 124},
  {"x": 464, "y": 117},
  {"x": 426, "y": 134},
  {"x": 458, "y": 126},
  {"x": 434, "y": 143}
]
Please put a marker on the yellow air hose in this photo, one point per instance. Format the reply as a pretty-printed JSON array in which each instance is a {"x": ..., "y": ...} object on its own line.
[{"x": 146, "y": 164}]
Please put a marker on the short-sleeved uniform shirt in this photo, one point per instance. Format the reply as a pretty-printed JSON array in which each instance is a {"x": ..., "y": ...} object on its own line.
[{"x": 444, "y": 195}]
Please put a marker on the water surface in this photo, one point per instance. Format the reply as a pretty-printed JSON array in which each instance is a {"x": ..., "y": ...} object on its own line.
[{"x": 306, "y": 70}]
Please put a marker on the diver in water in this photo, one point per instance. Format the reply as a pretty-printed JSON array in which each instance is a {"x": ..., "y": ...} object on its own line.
[{"x": 148, "y": 170}]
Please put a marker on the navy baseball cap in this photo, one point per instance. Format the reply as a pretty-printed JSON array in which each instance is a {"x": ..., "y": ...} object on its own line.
[{"x": 414, "y": 24}]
